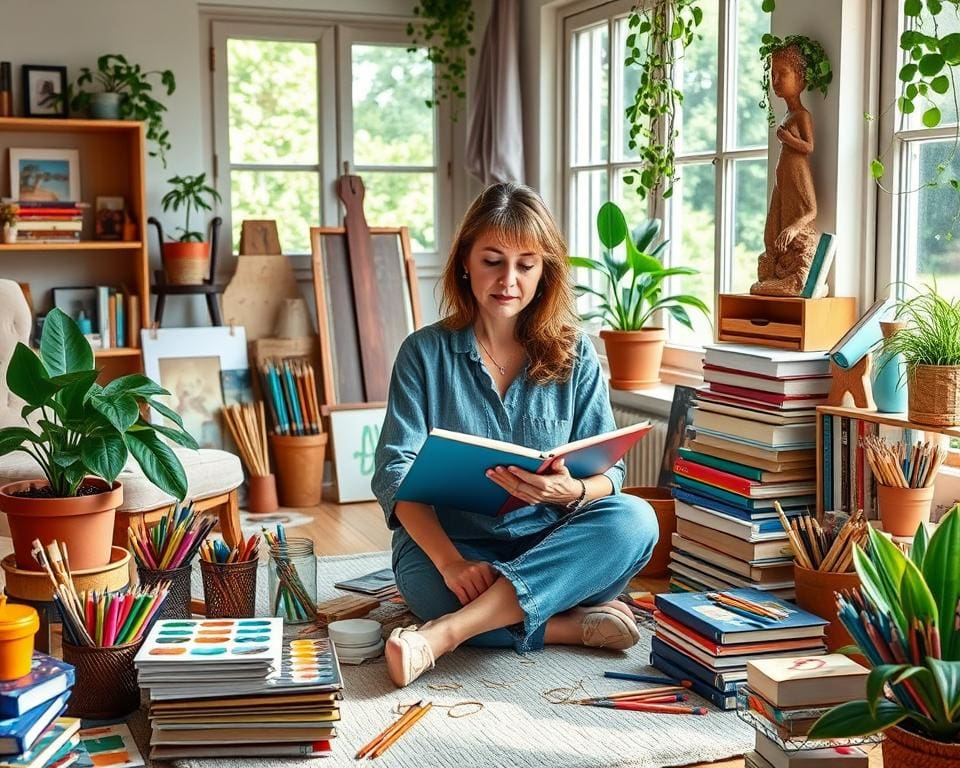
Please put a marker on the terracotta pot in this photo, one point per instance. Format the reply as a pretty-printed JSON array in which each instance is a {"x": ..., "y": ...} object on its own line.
[
  {"x": 902, "y": 748},
  {"x": 815, "y": 593},
  {"x": 262, "y": 494},
  {"x": 186, "y": 263},
  {"x": 299, "y": 468},
  {"x": 933, "y": 395},
  {"x": 634, "y": 357},
  {"x": 83, "y": 523},
  {"x": 665, "y": 508},
  {"x": 903, "y": 509}
]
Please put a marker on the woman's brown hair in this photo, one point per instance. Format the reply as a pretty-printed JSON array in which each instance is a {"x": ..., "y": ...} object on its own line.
[{"x": 547, "y": 326}]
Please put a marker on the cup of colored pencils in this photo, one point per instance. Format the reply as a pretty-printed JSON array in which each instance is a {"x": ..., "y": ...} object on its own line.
[
  {"x": 293, "y": 577},
  {"x": 905, "y": 477},
  {"x": 230, "y": 578},
  {"x": 247, "y": 425},
  {"x": 165, "y": 552},
  {"x": 102, "y": 632}
]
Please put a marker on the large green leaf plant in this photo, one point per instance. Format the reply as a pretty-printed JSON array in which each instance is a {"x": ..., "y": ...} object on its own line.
[
  {"x": 85, "y": 429},
  {"x": 634, "y": 290},
  {"x": 912, "y": 606}
]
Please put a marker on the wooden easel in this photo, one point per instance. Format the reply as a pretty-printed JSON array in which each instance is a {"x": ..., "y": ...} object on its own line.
[{"x": 852, "y": 384}]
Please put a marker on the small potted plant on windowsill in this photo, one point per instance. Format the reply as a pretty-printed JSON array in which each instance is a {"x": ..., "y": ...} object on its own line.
[
  {"x": 8, "y": 221},
  {"x": 186, "y": 260},
  {"x": 81, "y": 436},
  {"x": 633, "y": 295},
  {"x": 125, "y": 94}
]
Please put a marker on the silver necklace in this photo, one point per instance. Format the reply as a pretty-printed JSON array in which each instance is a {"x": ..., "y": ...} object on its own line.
[{"x": 503, "y": 371}]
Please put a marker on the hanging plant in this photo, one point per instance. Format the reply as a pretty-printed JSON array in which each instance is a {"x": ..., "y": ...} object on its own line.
[
  {"x": 818, "y": 72},
  {"x": 660, "y": 33},
  {"x": 445, "y": 31}
]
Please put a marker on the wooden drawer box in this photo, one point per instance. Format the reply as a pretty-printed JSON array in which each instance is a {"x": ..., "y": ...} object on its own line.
[{"x": 807, "y": 325}]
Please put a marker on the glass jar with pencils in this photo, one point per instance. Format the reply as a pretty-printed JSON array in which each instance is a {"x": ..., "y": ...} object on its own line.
[
  {"x": 292, "y": 579},
  {"x": 230, "y": 578}
]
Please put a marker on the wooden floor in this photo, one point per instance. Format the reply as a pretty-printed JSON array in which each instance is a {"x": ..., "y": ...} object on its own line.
[{"x": 341, "y": 529}]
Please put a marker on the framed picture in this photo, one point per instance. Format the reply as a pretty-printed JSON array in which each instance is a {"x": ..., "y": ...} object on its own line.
[
  {"x": 354, "y": 431},
  {"x": 50, "y": 175},
  {"x": 44, "y": 91},
  {"x": 110, "y": 218},
  {"x": 80, "y": 303},
  {"x": 681, "y": 416}
]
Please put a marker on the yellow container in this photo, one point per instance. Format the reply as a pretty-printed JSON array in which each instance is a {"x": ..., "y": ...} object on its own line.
[{"x": 18, "y": 625}]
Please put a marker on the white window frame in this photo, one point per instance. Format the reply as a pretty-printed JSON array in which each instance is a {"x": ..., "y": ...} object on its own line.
[{"x": 681, "y": 363}]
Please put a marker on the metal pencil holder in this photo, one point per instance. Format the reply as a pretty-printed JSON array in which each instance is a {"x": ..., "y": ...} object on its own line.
[
  {"x": 230, "y": 589},
  {"x": 106, "y": 680},
  {"x": 177, "y": 603}
]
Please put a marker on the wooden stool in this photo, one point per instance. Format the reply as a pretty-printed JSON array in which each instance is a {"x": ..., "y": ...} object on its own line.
[{"x": 33, "y": 588}]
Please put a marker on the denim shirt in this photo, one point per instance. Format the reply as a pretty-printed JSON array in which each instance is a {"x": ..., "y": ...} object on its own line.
[{"x": 439, "y": 380}]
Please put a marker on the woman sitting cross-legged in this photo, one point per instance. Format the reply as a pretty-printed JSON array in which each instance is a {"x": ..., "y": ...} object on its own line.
[{"x": 508, "y": 362}]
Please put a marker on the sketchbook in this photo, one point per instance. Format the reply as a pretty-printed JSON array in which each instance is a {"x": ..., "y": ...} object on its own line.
[{"x": 450, "y": 469}]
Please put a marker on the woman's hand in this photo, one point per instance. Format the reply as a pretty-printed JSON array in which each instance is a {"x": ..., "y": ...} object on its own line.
[
  {"x": 468, "y": 579},
  {"x": 555, "y": 487}
]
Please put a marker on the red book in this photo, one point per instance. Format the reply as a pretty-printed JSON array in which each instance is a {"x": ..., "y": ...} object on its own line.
[
  {"x": 766, "y": 397},
  {"x": 668, "y": 629},
  {"x": 714, "y": 477}
]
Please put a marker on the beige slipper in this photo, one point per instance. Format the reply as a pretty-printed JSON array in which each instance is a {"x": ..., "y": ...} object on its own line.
[
  {"x": 606, "y": 627},
  {"x": 408, "y": 655}
]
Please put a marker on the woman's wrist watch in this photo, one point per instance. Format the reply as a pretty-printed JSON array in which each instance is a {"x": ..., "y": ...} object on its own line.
[{"x": 574, "y": 505}]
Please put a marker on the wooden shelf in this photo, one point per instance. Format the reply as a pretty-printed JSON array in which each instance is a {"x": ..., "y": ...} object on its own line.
[
  {"x": 117, "y": 352},
  {"x": 59, "y": 125},
  {"x": 83, "y": 245},
  {"x": 890, "y": 419}
]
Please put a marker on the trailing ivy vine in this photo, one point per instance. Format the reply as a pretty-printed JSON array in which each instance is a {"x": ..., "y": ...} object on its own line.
[
  {"x": 660, "y": 33},
  {"x": 818, "y": 73},
  {"x": 445, "y": 30}
]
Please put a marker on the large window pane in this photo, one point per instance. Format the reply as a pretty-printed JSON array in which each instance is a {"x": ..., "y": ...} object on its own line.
[
  {"x": 693, "y": 232},
  {"x": 590, "y": 96},
  {"x": 272, "y": 86},
  {"x": 629, "y": 81},
  {"x": 292, "y": 198},
  {"x": 392, "y": 124},
  {"x": 698, "y": 68},
  {"x": 948, "y": 23},
  {"x": 635, "y": 208},
  {"x": 400, "y": 199},
  {"x": 752, "y": 24},
  {"x": 590, "y": 189},
  {"x": 749, "y": 217}
]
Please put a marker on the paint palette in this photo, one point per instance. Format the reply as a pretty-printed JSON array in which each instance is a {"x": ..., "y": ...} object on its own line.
[
  {"x": 236, "y": 644},
  {"x": 308, "y": 663}
]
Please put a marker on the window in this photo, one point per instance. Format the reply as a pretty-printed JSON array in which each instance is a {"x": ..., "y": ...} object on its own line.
[
  {"x": 297, "y": 105},
  {"x": 918, "y": 240},
  {"x": 715, "y": 216}
]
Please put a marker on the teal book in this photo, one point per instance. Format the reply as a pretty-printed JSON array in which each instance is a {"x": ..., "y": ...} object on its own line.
[
  {"x": 736, "y": 500},
  {"x": 820, "y": 266},
  {"x": 741, "y": 470},
  {"x": 450, "y": 469}
]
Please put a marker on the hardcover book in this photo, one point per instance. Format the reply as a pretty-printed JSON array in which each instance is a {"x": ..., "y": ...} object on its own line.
[
  {"x": 370, "y": 583},
  {"x": 767, "y": 361},
  {"x": 719, "y": 698},
  {"x": 808, "y": 681},
  {"x": 450, "y": 469},
  {"x": 735, "y": 484},
  {"x": 48, "y": 746},
  {"x": 774, "y": 436},
  {"x": 806, "y": 386},
  {"x": 18, "y": 734},
  {"x": 47, "y": 678},
  {"x": 831, "y": 757}
]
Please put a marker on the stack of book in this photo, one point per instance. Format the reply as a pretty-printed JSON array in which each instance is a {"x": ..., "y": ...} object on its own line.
[
  {"x": 32, "y": 732},
  {"x": 42, "y": 221},
  {"x": 236, "y": 688},
  {"x": 754, "y": 444},
  {"x": 708, "y": 637},
  {"x": 381, "y": 585},
  {"x": 785, "y": 697}
]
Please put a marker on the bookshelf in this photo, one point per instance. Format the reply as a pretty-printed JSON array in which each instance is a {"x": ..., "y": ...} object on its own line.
[
  {"x": 898, "y": 420},
  {"x": 111, "y": 163}
]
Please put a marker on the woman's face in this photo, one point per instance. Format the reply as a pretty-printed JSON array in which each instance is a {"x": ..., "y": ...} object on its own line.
[
  {"x": 784, "y": 77},
  {"x": 503, "y": 278}
]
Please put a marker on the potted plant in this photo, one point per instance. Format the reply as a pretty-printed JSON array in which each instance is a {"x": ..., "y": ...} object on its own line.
[
  {"x": 633, "y": 295},
  {"x": 126, "y": 94},
  {"x": 81, "y": 435},
  {"x": 8, "y": 222},
  {"x": 929, "y": 345},
  {"x": 904, "y": 620},
  {"x": 186, "y": 260}
]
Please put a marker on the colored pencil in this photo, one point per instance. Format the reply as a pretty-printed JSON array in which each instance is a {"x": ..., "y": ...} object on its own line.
[
  {"x": 216, "y": 551},
  {"x": 634, "y": 706},
  {"x": 647, "y": 678},
  {"x": 388, "y": 742},
  {"x": 390, "y": 730},
  {"x": 173, "y": 541}
]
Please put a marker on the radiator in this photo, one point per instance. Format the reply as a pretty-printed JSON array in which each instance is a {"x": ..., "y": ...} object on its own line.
[{"x": 643, "y": 460}]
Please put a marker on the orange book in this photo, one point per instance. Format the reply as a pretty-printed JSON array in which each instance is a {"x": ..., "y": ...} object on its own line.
[
  {"x": 133, "y": 320},
  {"x": 112, "y": 318}
]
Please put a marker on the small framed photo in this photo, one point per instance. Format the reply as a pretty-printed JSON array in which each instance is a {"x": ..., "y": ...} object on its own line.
[
  {"x": 81, "y": 304},
  {"x": 50, "y": 175},
  {"x": 110, "y": 218},
  {"x": 44, "y": 91}
]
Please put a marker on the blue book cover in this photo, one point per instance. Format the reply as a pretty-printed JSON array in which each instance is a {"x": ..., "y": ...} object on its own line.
[
  {"x": 718, "y": 698},
  {"x": 739, "y": 505},
  {"x": 450, "y": 469},
  {"x": 57, "y": 742},
  {"x": 48, "y": 677},
  {"x": 18, "y": 734},
  {"x": 722, "y": 681},
  {"x": 722, "y": 625},
  {"x": 827, "y": 472},
  {"x": 760, "y": 525},
  {"x": 820, "y": 266}
]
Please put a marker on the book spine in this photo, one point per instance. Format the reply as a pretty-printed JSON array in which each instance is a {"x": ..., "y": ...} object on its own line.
[
  {"x": 712, "y": 476},
  {"x": 813, "y": 276},
  {"x": 741, "y": 470},
  {"x": 718, "y": 698},
  {"x": 691, "y": 668},
  {"x": 861, "y": 465},
  {"x": 845, "y": 464},
  {"x": 826, "y": 472}
]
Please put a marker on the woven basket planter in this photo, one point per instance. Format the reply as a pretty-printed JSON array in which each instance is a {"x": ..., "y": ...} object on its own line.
[
  {"x": 902, "y": 748},
  {"x": 934, "y": 395}
]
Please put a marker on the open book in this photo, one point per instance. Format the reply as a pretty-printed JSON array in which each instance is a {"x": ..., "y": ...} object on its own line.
[{"x": 450, "y": 469}]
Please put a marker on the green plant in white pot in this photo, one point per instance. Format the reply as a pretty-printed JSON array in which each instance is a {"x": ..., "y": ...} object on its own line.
[
  {"x": 80, "y": 434},
  {"x": 633, "y": 296}
]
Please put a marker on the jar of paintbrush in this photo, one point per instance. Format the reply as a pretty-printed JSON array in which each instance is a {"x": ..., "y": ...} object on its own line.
[
  {"x": 247, "y": 425},
  {"x": 165, "y": 552},
  {"x": 292, "y": 580},
  {"x": 230, "y": 578},
  {"x": 905, "y": 476}
]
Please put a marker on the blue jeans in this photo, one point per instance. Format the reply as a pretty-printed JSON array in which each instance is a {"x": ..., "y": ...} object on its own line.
[{"x": 584, "y": 558}]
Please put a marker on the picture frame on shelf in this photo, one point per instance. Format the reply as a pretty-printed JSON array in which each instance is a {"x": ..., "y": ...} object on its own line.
[
  {"x": 76, "y": 299},
  {"x": 44, "y": 90},
  {"x": 109, "y": 218},
  {"x": 44, "y": 175}
]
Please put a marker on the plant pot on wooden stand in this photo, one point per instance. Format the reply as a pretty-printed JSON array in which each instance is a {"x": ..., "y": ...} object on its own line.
[{"x": 186, "y": 263}]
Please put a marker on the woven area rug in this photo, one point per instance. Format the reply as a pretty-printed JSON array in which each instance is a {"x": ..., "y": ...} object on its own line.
[{"x": 517, "y": 726}]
